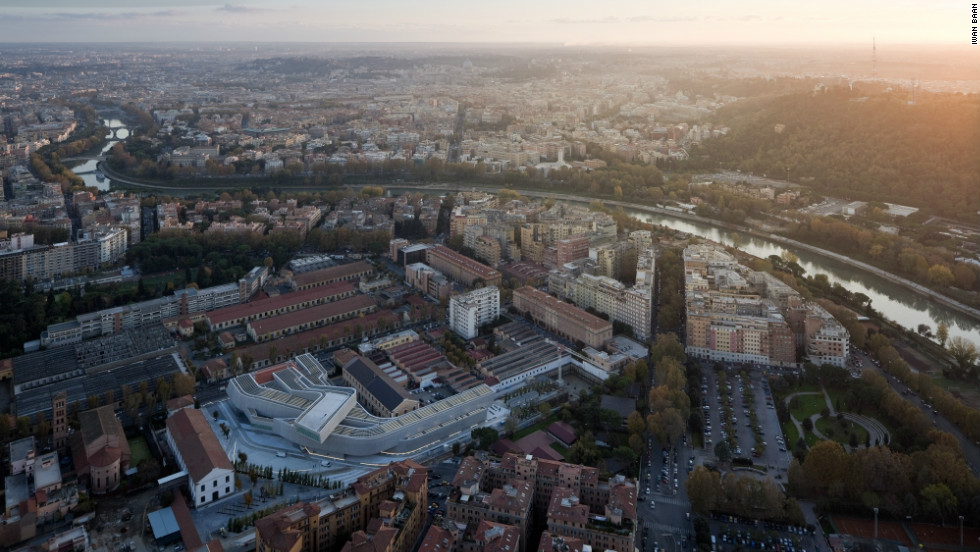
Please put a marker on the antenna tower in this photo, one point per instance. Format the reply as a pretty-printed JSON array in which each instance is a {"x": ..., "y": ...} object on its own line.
[{"x": 874, "y": 60}]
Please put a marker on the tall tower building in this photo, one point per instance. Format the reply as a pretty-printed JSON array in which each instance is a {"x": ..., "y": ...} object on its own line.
[{"x": 59, "y": 421}]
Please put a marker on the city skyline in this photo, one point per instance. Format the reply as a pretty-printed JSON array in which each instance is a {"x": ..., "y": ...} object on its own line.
[{"x": 631, "y": 22}]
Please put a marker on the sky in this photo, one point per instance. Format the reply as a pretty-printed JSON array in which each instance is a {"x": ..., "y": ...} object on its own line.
[{"x": 627, "y": 22}]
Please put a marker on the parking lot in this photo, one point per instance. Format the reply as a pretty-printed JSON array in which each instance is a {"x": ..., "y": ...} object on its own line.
[{"x": 741, "y": 409}]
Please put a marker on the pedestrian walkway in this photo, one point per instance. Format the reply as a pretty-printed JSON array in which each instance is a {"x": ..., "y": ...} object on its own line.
[{"x": 878, "y": 434}]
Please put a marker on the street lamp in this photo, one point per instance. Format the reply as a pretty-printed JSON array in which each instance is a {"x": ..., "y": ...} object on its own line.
[{"x": 876, "y": 523}]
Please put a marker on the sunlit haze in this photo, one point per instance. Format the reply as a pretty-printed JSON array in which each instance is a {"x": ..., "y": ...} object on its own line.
[{"x": 708, "y": 22}]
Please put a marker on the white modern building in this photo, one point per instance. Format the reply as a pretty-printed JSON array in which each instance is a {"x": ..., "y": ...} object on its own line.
[
  {"x": 469, "y": 311},
  {"x": 295, "y": 400}
]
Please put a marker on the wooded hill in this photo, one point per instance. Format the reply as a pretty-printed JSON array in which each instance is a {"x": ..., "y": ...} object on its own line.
[{"x": 861, "y": 148}]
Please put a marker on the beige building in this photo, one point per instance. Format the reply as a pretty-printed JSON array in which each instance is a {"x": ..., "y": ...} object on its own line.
[
  {"x": 383, "y": 511},
  {"x": 562, "y": 318}
]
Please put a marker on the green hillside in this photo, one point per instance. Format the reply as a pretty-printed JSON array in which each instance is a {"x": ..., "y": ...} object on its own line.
[{"x": 875, "y": 148}]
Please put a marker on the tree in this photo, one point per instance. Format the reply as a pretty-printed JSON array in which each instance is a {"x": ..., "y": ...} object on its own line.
[
  {"x": 964, "y": 352},
  {"x": 703, "y": 490},
  {"x": 242, "y": 457},
  {"x": 942, "y": 334},
  {"x": 722, "y": 451},
  {"x": 940, "y": 275},
  {"x": 544, "y": 409},
  {"x": 635, "y": 423},
  {"x": 247, "y": 497},
  {"x": 825, "y": 467},
  {"x": 938, "y": 501},
  {"x": 183, "y": 384}
]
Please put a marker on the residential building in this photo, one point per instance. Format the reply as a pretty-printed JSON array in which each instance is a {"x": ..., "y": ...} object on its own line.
[
  {"x": 383, "y": 511},
  {"x": 562, "y": 318},
  {"x": 488, "y": 250},
  {"x": 469, "y": 311},
  {"x": 572, "y": 248},
  {"x": 460, "y": 268},
  {"x": 735, "y": 314}
]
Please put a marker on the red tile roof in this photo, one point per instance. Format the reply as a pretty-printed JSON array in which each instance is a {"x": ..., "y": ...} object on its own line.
[
  {"x": 331, "y": 274},
  {"x": 256, "y": 307},
  {"x": 311, "y": 314},
  {"x": 198, "y": 446}
]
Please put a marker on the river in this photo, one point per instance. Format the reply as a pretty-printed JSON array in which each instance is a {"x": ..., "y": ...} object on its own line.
[
  {"x": 895, "y": 302},
  {"x": 86, "y": 170}
]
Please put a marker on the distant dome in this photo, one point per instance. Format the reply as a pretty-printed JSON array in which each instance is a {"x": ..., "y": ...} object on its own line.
[{"x": 467, "y": 65}]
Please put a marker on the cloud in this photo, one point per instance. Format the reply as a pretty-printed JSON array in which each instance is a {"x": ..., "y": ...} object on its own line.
[
  {"x": 632, "y": 19},
  {"x": 111, "y": 16},
  {"x": 239, "y": 8}
]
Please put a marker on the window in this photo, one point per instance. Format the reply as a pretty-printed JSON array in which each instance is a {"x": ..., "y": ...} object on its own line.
[
  {"x": 202, "y": 488},
  {"x": 227, "y": 478},
  {"x": 202, "y": 498},
  {"x": 227, "y": 490},
  {"x": 215, "y": 484}
]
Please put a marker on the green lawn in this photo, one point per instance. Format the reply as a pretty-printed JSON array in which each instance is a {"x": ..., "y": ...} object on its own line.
[
  {"x": 808, "y": 405},
  {"x": 139, "y": 451},
  {"x": 791, "y": 435},
  {"x": 560, "y": 448},
  {"x": 543, "y": 425},
  {"x": 841, "y": 434}
]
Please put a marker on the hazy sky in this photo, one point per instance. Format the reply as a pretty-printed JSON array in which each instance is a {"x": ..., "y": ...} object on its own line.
[{"x": 563, "y": 21}]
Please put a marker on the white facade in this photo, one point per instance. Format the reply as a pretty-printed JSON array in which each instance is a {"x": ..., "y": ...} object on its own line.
[
  {"x": 112, "y": 245},
  {"x": 469, "y": 311},
  {"x": 212, "y": 486}
]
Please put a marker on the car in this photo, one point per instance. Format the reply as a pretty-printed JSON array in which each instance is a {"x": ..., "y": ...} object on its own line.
[
  {"x": 324, "y": 463},
  {"x": 653, "y": 504},
  {"x": 280, "y": 454}
]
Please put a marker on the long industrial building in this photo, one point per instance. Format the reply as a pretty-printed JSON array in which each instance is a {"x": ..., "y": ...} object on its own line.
[{"x": 295, "y": 400}]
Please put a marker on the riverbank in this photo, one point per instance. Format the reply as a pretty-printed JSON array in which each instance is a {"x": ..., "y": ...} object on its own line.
[
  {"x": 922, "y": 291},
  {"x": 898, "y": 280}
]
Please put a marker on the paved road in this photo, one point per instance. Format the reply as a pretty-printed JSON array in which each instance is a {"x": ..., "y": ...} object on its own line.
[{"x": 971, "y": 449}]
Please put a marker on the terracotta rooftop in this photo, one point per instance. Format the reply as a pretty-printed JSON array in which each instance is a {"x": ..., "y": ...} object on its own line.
[
  {"x": 275, "y": 530},
  {"x": 331, "y": 274},
  {"x": 437, "y": 539},
  {"x": 566, "y": 309},
  {"x": 565, "y": 508},
  {"x": 311, "y": 314},
  {"x": 197, "y": 443},
  {"x": 257, "y": 307}
]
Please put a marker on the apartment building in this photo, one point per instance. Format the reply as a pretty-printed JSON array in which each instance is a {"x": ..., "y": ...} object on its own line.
[
  {"x": 383, "y": 511},
  {"x": 562, "y": 318},
  {"x": 469, "y": 311},
  {"x": 570, "y": 500},
  {"x": 428, "y": 280},
  {"x": 460, "y": 268},
  {"x": 735, "y": 314},
  {"x": 572, "y": 249}
]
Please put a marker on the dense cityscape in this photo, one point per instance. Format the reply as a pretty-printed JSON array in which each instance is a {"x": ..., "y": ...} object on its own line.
[{"x": 452, "y": 298}]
